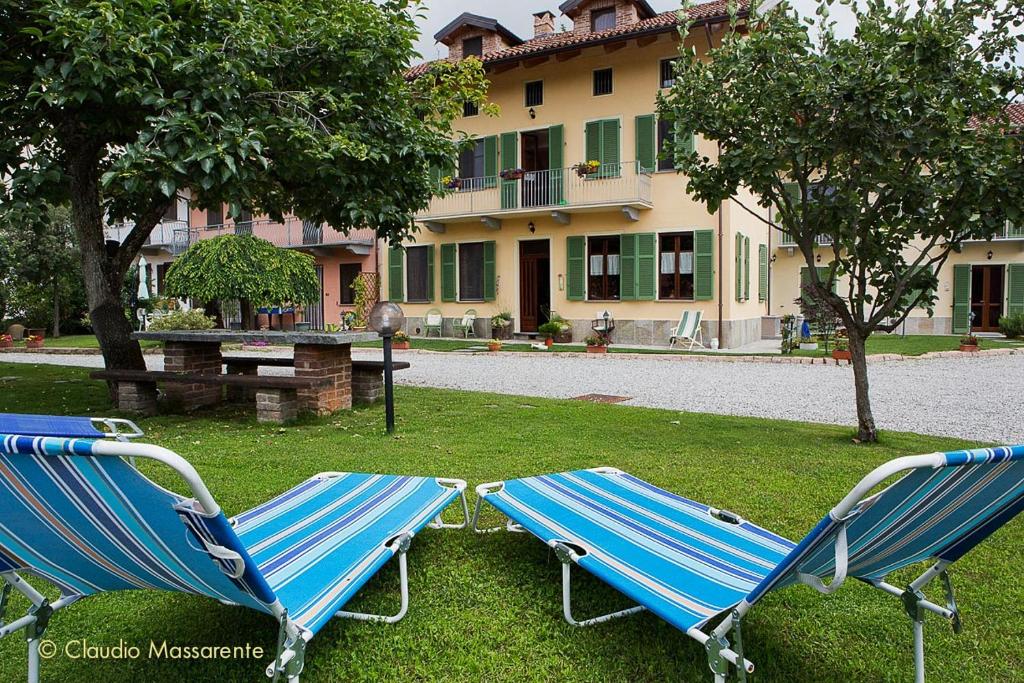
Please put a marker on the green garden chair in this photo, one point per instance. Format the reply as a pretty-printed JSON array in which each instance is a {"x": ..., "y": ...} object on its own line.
[
  {"x": 467, "y": 325},
  {"x": 433, "y": 322}
]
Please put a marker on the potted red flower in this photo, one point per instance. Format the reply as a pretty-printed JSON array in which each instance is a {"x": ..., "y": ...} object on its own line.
[
  {"x": 597, "y": 343},
  {"x": 34, "y": 341},
  {"x": 842, "y": 350},
  {"x": 494, "y": 345},
  {"x": 969, "y": 343},
  {"x": 401, "y": 341},
  {"x": 6, "y": 341},
  {"x": 512, "y": 174}
]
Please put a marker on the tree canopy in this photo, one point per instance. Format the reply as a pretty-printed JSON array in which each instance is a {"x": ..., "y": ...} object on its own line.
[
  {"x": 893, "y": 143},
  {"x": 273, "y": 106},
  {"x": 245, "y": 268}
]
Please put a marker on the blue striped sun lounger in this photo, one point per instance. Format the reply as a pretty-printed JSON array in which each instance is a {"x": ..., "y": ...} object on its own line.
[
  {"x": 702, "y": 569},
  {"x": 74, "y": 513},
  {"x": 69, "y": 427}
]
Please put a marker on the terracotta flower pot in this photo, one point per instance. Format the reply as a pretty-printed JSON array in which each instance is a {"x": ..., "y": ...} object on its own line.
[
  {"x": 597, "y": 349},
  {"x": 401, "y": 346},
  {"x": 969, "y": 348},
  {"x": 549, "y": 342},
  {"x": 494, "y": 347},
  {"x": 263, "y": 321}
]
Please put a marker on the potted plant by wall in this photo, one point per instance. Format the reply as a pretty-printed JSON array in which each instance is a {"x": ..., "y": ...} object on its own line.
[
  {"x": 494, "y": 345},
  {"x": 564, "y": 334},
  {"x": 550, "y": 330},
  {"x": 969, "y": 343},
  {"x": 597, "y": 343},
  {"x": 512, "y": 174},
  {"x": 585, "y": 168},
  {"x": 34, "y": 341},
  {"x": 401, "y": 341},
  {"x": 842, "y": 349},
  {"x": 6, "y": 341},
  {"x": 809, "y": 343},
  {"x": 501, "y": 325}
]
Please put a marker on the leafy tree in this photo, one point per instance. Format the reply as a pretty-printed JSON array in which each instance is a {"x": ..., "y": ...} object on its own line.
[
  {"x": 893, "y": 143},
  {"x": 40, "y": 265},
  {"x": 243, "y": 268},
  {"x": 274, "y": 106}
]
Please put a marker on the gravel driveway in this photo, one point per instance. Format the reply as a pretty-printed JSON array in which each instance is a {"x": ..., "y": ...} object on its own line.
[{"x": 977, "y": 398}]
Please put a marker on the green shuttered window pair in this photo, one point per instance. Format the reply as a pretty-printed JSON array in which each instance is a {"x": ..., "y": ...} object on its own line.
[
  {"x": 450, "y": 273},
  {"x": 639, "y": 266},
  {"x": 1015, "y": 289},
  {"x": 602, "y": 142},
  {"x": 401, "y": 291}
]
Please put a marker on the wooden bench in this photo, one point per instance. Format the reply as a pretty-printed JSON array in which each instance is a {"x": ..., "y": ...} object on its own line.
[
  {"x": 367, "y": 375},
  {"x": 276, "y": 397}
]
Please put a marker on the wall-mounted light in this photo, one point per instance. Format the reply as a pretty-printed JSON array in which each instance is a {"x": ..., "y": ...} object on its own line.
[
  {"x": 533, "y": 229},
  {"x": 561, "y": 282},
  {"x": 818, "y": 258},
  {"x": 775, "y": 257},
  {"x": 990, "y": 255},
  {"x": 533, "y": 113}
]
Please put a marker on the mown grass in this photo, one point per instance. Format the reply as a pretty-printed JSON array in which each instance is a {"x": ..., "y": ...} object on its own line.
[
  {"x": 915, "y": 344},
  {"x": 79, "y": 341},
  {"x": 487, "y": 608}
]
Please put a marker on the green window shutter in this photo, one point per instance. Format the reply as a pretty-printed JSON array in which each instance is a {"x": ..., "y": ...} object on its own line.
[
  {"x": 1015, "y": 289},
  {"x": 738, "y": 266},
  {"x": 435, "y": 179},
  {"x": 594, "y": 141},
  {"x": 645, "y": 143},
  {"x": 610, "y": 148},
  {"x": 576, "y": 268},
  {"x": 688, "y": 139},
  {"x": 627, "y": 267},
  {"x": 961, "y": 299},
  {"x": 491, "y": 161},
  {"x": 746, "y": 269},
  {"x": 762, "y": 273},
  {"x": 430, "y": 272},
  {"x": 490, "y": 272},
  {"x": 556, "y": 163},
  {"x": 396, "y": 274},
  {"x": 448, "y": 258},
  {"x": 704, "y": 265},
  {"x": 509, "y": 160},
  {"x": 646, "y": 266}
]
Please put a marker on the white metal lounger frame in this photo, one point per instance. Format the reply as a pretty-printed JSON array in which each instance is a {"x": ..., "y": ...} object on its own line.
[
  {"x": 723, "y": 655},
  {"x": 291, "y": 638}
]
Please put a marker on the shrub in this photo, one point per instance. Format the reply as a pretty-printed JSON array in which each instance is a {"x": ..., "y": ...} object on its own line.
[
  {"x": 968, "y": 340},
  {"x": 183, "y": 320},
  {"x": 1012, "y": 326},
  {"x": 596, "y": 340}
]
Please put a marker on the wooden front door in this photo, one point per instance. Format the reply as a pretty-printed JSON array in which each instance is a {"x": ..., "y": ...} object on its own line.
[
  {"x": 534, "y": 284},
  {"x": 987, "y": 284}
]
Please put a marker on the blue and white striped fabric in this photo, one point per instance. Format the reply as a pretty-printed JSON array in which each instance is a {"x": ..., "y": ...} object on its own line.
[
  {"x": 92, "y": 523},
  {"x": 662, "y": 550},
  {"x": 319, "y": 543},
  {"x": 670, "y": 555},
  {"x": 50, "y": 425},
  {"x": 931, "y": 513}
]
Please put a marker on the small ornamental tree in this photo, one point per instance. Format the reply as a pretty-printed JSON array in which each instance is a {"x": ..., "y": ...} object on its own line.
[
  {"x": 243, "y": 268},
  {"x": 894, "y": 143},
  {"x": 272, "y": 106}
]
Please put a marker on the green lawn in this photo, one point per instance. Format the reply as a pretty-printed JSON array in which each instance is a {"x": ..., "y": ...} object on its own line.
[
  {"x": 915, "y": 344},
  {"x": 80, "y": 341},
  {"x": 488, "y": 608}
]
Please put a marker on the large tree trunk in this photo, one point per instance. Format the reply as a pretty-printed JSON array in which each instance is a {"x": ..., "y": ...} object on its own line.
[
  {"x": 866, "y": 430},
  {"x": 103, "y": 277}
]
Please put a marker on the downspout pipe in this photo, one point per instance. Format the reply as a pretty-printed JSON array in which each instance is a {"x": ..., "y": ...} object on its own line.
[{"x": 721, "y": 277}]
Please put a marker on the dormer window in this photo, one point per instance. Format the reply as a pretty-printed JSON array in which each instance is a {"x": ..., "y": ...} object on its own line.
[
  {"x": 602, "y": 19},
  {"x": 473, "y": 47}
]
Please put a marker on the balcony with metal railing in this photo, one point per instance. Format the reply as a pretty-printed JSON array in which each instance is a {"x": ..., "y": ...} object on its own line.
[
  {"x": 292, "y": 233},
  {"x": 162, "y": 238},
  {"x": 558, "y": 192},
  {"x": 786, "y": 240},
  {"x": 1009, "y": 232}
]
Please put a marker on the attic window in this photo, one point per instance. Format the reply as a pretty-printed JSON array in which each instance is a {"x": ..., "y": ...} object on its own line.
[
  {"x": 602, "y": 19},
  {"x": 473, "y": 47}
]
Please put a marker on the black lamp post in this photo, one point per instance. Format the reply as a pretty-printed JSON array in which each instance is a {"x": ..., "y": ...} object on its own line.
[{"x": 386, "y": 319}]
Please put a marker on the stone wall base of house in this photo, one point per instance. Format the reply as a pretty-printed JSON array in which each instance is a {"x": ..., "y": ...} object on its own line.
[{"x": 925, "y": 325}]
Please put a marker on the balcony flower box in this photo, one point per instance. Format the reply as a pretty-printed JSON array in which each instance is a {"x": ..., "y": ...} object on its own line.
[
  {"x": 597, "y": 343},
  {"x": 513, "y": 174},
  {"x": 586, "y": 168},
  {"x": 452, "y": 183}
]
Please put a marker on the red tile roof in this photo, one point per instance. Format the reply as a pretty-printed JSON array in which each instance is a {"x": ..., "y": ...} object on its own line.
[
  {"x": 1016, "y": 112},
  {"x": 557, "y": 42}
]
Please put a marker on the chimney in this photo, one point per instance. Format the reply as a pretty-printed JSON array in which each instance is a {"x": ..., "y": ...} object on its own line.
[{"x": 543, "y": 24}]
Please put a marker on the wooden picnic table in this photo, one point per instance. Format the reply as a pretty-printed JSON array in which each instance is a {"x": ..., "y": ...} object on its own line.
[{"x": 324, "y": 359}]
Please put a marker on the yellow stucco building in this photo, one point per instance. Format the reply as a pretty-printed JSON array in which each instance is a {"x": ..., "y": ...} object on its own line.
[{"x": 526, "y": 229}]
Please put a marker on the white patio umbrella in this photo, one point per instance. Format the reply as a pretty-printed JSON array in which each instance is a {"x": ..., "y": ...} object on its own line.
[{"x": 143, "y": 282}]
